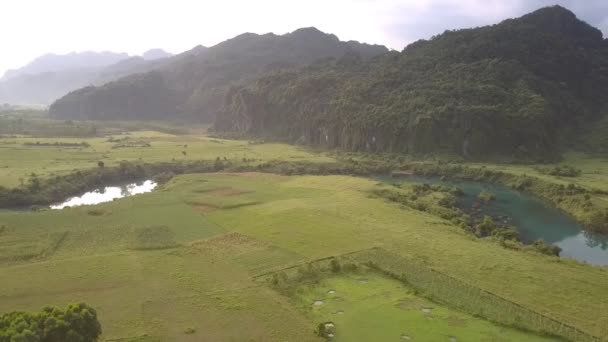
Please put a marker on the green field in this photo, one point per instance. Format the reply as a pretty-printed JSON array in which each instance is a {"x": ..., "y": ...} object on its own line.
[
  {"x": 179, "y": 263},
  {"x": 367, "y": 307},
  {"x": 20, "y": 156}
]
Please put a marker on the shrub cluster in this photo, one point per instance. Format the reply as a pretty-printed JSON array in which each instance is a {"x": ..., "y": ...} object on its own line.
[
  {"x": 78, "y": 322},
  {"x": 560, "y": 171}
]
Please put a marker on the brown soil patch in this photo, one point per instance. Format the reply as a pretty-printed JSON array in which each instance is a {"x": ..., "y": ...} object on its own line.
[
  {"x": 456, "y": 321},
  {"x": 223, "y": 191},
  {"x": 228, "y": 191},
  {"x": 205, "y": 207},
  {"x": 232, "y": 244},
  {"x": 258, "y": 175}
]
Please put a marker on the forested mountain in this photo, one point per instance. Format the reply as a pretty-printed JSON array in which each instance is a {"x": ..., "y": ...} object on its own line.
[
  {"x": 49, "y": 77},
  {"x": 193, "y": 84},
  {"x": 518, "y": 89}
]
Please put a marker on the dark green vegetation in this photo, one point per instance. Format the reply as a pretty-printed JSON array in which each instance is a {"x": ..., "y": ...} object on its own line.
[
  {"x": 193, "y": 84},
  {"x": 518, "y": 89},
  {"x": 77, "y": 323}
]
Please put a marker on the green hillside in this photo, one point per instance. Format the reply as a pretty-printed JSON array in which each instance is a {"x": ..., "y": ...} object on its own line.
[
  {"x": 193, "y": 85},
  {"x": 517, "y": 89}
]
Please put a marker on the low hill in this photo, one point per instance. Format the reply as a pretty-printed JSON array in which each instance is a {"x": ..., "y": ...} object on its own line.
[
  {"x": 193, "y": 84},
  {"x": 519, "y": 89}
]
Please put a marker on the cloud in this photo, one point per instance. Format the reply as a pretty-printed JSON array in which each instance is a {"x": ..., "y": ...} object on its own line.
[
  {"x": 415, "y": 20},
  {"x": 36, "y": 27}
]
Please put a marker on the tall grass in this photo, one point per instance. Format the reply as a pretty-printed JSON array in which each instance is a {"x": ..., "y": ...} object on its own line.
[{"x": 460, "y": 295}]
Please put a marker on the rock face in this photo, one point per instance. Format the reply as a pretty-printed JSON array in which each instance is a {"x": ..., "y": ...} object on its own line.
[
  {"x": 517, "y": 89},
  {"x": 196, "y": 82}
]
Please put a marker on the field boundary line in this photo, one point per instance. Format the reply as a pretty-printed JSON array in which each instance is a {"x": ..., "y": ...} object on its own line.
[{"x": 438, "y": 286}]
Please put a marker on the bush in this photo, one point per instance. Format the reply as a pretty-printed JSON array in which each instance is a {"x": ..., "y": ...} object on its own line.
[
  {"x": 546, "y": 248},
  {"x": 78, "y": 322},
  {"x": 326, "y": 329},
  {"x": 486, "y": 227},
  {"x": 506, "y": 233},
  {"x": 335, "y": 266},
  {"x": 560, "y": 171},
  {"x": 486, "y": 196}
]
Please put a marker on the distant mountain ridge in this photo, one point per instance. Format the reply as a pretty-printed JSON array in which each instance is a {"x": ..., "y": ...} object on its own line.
[
  {"x": 153, "y": 54},
  {"x": 521, "y": 89},
  {"x": 193, "y": 85},
  {"x": 50, "y": 76},
  {"x": 75, "y": 60}
]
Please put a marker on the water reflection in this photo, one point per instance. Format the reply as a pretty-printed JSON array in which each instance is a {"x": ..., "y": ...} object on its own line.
[
  {"x": 533, "y": 218},
  {"x": 107, "y": 194}
]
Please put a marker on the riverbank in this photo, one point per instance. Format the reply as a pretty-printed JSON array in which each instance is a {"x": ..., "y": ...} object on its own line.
[{"x": 502, "y": 214}]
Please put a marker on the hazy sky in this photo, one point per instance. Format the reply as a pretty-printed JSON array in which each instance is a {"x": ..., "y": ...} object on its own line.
[{"x": 33, "y": 27}]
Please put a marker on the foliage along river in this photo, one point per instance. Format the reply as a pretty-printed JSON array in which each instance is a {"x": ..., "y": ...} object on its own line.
[
  {"x": 533, "y": 218},
  {"x": 107, "y": 194}
]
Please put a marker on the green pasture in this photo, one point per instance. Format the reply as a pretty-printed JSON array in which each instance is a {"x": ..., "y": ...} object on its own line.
[
  {"x": 179, "y": 263},
  {"x": 20, "y": 156},
  {"x": 367, "y": 307},
  {"x": 183, "y": 258}
]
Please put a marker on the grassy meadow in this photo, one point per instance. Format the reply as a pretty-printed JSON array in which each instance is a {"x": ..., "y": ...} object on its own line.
[
  {"x": 22, "y": 156},
  {"x": 178, "y": 264},
  {"x": 366, "y": 307}
]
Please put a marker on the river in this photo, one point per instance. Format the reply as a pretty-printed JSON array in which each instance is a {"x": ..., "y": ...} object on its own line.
[{"x": 534, "y": 218}]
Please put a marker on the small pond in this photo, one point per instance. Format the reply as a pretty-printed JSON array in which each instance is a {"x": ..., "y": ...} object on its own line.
[
  {"x": 107, "y": 194},
  {"x": 533, "y": 218}
]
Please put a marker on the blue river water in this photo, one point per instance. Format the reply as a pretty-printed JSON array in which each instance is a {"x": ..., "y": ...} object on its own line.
[{"x": 534, "y": 218}]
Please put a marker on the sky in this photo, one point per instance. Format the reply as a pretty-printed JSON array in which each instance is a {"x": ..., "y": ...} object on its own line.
[{"x": 31, "y": 28}]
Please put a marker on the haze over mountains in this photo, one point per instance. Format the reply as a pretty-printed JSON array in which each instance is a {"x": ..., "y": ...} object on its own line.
[
  {"x": 520, "y": 88},
  {"x": 50, "y": 76},
  {"x": 194, "y": 84}
]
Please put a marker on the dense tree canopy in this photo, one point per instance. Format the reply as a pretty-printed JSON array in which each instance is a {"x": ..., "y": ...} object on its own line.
[
  {"x": 521, "y": 89},
  {"x": 516, "y": 89},
  {"x": 77, "y": 323}
]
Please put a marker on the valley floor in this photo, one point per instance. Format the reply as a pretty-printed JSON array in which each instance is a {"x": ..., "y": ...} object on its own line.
[{"x": 180, "y": 263}]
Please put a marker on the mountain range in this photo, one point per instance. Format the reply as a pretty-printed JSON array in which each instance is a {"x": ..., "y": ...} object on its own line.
[
  {"x": 51, "y": 76},
  {"x": 522, "y": 88},
  {"x": 519, "y": 89},
  {"x": 194, "y": 84}
]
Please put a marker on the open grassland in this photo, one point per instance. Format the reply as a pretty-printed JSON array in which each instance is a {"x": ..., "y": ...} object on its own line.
[
  {"x": 365, "y": 306},
  {"x": 594, "y": 170},
  {"x": 178, "y": 263},
  {"x": 21, "y": 156}
]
